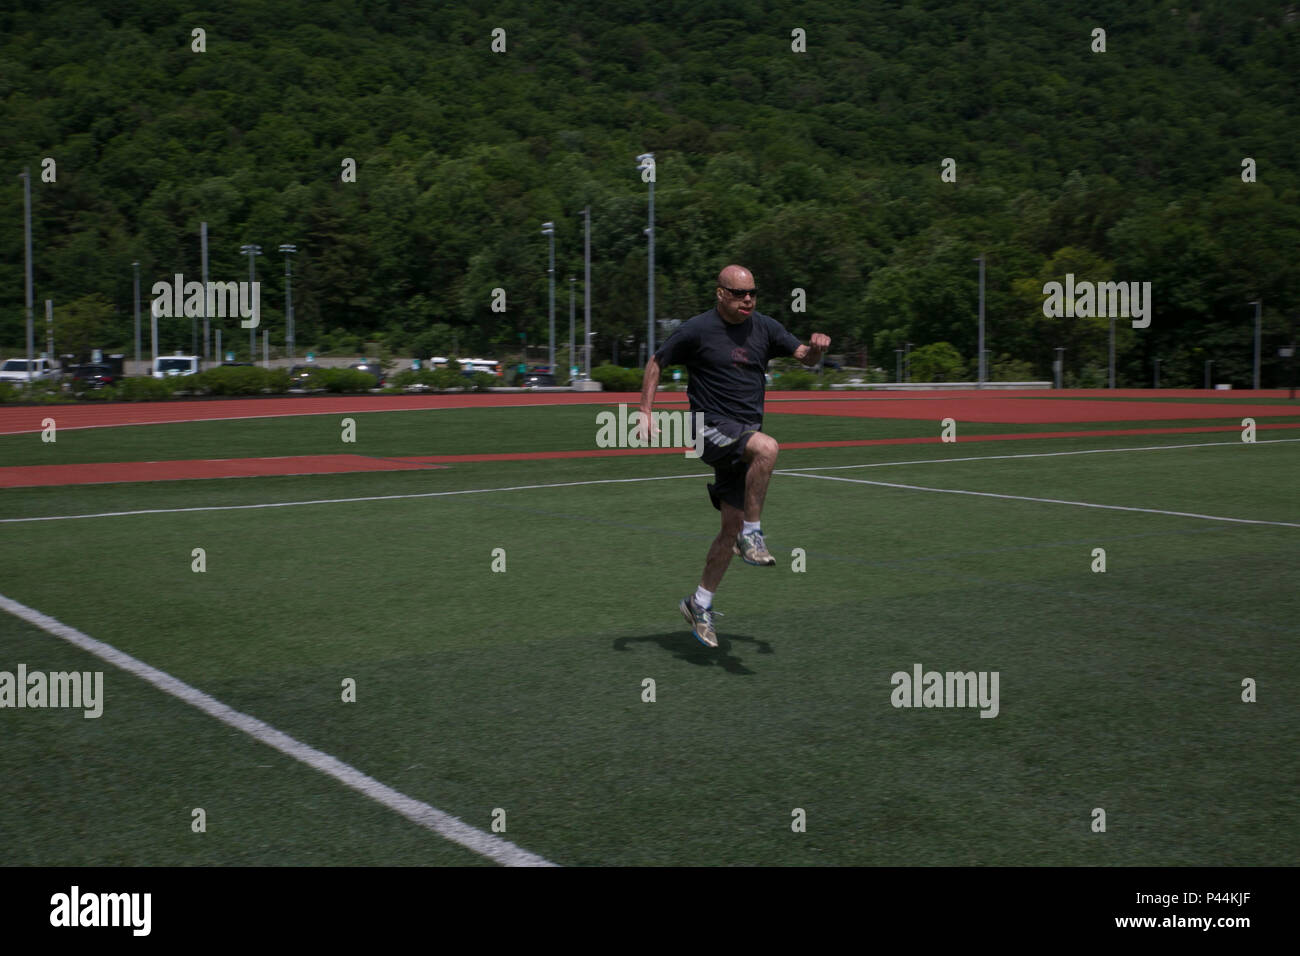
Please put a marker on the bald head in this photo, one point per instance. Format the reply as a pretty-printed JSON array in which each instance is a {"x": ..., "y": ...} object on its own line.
[
  {"x": 735, "y": 309},
  {"x": 736, "y": 277}
]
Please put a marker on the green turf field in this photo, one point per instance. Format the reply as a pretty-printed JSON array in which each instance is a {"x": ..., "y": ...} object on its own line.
[{"x": 522, "y": 690}]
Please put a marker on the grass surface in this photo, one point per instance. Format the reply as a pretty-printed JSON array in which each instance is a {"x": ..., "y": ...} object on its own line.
[{"x": 523, "y": 690}]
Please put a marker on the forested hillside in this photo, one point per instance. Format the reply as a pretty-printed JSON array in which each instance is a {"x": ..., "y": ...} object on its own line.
[{"x": 820, "y": 170}]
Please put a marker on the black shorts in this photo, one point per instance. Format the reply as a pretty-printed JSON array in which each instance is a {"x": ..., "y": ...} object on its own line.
[{"x": 724, "y": 450}]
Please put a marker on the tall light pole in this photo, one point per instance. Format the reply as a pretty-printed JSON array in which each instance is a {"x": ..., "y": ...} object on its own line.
[
  {"x": 982, "y": 367},
  {"x": 288, "y": 249},
  {"x": 1209, "y": 364},
  {"x": 898, "y": 366},
  {"x": 1157, "y": 378},
  {"x": 135, "y": 267},
  {"x": 1112, "y": 352},
  {"x": 153, "y": 334},
  {"x": 203, "y": 254},
  {"x": 26, "y": 177},
  {"x": 586, "y": 291},
  {"x": 907, "y": 362},
  {"x": 548, "y": 229},
  {"x": 252, "y": 251},
  {"x": 1259, "y": 305},
  {"x": 1060, "y": 365},
  {"x": 646, "y": 163},
  {"x": 572, "y": 300}
]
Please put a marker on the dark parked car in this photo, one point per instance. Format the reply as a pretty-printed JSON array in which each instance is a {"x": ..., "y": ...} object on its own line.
[
  {"x": 299, "y": 375},
  {"x": 370, "y": 368},
  {"x": 535, "y": 379},
  {"x": 92, "y": 376}
]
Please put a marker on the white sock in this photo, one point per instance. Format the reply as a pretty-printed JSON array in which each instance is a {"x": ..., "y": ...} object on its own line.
[
  {"x": 703, "y": 598},
  {"x": 750, "y": 526}
]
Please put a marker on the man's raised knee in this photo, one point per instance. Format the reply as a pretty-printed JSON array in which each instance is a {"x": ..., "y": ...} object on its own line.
[{"x": 762, "y": 446}]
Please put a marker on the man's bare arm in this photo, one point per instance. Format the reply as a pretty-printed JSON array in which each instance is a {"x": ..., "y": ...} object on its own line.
[
  {"x": 810, "y": 355},
  {"x": 649, "y": 383}
]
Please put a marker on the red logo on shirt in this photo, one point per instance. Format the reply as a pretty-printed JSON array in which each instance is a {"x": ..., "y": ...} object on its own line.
[{"x": 739, "y": 356}]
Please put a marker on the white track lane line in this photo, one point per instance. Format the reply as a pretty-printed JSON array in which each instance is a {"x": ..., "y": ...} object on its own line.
[
  {"x": 1050, "y": 501},
  {"x": 1046, "y": 454},
  {"x": 431, "y": 818},
  {"x": 603, "y": 481},
  {"x": 338, "y": 501}
]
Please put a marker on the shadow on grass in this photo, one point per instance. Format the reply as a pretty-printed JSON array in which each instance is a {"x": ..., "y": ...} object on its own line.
[{"x": 685, "y": 647}]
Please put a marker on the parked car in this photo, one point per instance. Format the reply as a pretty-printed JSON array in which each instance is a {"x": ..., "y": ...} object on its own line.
[
  {"x": 371, "y": 368},
  {"x": 300, "y": 375},
  {"x": 167, "y": 366},
  {"x": 490, "y": 366},
  {"x": 15, "y": 370},
  {"x": 92, "y": 376},
  {"x": 536, "y": 379}
]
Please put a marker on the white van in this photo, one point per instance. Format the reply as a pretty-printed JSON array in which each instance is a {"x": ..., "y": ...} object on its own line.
[
  {"x": 491, "y": 366},
  {"x": 15, "y": 370},
  {"x": 166, "y": 366}
]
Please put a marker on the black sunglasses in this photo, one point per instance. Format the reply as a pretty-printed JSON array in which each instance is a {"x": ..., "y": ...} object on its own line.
[{"x": 739, "y": 293}]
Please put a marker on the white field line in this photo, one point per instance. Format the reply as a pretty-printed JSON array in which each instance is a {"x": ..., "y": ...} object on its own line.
[
  {"x": 431, "y": 818},
  {"x": 1052, "y": 501},
  {"x": 603, "y": 481},
  {"x": 1044, "y": 454},
  {"x": 337, "y": 501}
]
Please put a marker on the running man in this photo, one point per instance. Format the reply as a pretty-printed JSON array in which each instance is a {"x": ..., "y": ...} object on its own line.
[{"x": 725, "y": 351}]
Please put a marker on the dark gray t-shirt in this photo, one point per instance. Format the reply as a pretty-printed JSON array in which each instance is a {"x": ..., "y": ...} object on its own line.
[{"x": 727, "y": 362}]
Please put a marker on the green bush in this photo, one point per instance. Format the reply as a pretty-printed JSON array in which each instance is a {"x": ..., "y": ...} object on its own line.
[
  {"x": 80, "y": 389},
  {"x": 615, "y": 378},
  {"x": 343, "y": 380},
  {"x": 1007, "y": 369},
  {"x": 1090, "y": 376},
  {"x": 937, "y": 362},
  {"x": 41, "y": 392},
  {"x": 142, "y": 389},
  {"x": 798, "y": 379},
  {"x": 435, "y": 378},
  {"x": 236, "y": 380}
]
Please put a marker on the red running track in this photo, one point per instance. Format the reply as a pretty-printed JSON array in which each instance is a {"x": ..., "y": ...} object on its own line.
[
  {"x": 27, "y": 476},
  {"x": 1020, "y": 406}
]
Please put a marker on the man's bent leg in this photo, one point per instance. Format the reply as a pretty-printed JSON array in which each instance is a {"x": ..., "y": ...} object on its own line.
[{"x": 760, "y": 454}]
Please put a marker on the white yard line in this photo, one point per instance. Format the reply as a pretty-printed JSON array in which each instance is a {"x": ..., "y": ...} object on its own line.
[
  {"x": 431, "y": 818},
  {"x": 337, "y": 501},
  {"x": 1045, "y": 454},
  {"x": 1052, "y": 501},
  {"x": 616, "y": 481}
]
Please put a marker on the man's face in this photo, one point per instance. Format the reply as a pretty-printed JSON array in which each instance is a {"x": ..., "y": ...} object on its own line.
[{"x": 732, "y": 307}]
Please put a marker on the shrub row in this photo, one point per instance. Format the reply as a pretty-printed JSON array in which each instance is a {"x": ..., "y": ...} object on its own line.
[
  {"x": 222, "y": 380},
  {"x": 443, "y": 378}
]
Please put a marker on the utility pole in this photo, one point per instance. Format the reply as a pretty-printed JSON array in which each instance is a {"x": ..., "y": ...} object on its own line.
[
  {"x": 135, "y": 267},
  {"x": 26, "y": 177},
  {"x": 983, "y": 370},
  {"x": 1259, "y": 305},
  {"x": 548, "y": 229},
  {"x": 252, "y": 251},
  {"x": 203, "y": 254},
  {"x": 288, "y": 249},
  {"x": 586, "y": 291}
]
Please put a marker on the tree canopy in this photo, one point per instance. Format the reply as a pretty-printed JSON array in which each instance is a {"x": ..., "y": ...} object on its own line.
[{"x": 821, "y": 170}]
